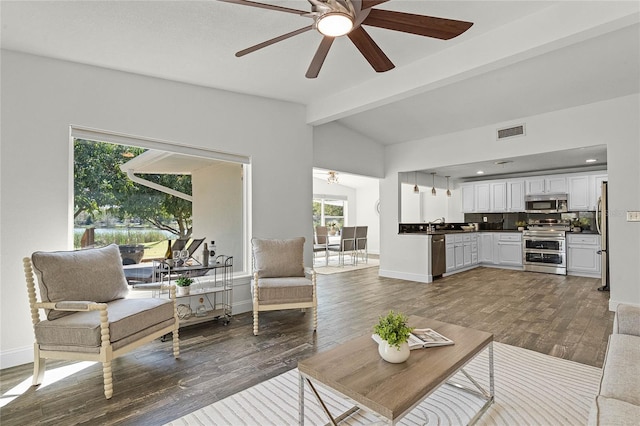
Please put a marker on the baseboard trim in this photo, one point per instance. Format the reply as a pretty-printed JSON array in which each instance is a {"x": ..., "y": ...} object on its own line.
[
  {"x": 16, "y": 356},
  {"x": 421, "y": 278}
]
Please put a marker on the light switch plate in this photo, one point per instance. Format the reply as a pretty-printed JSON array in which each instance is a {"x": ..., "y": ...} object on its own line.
[{"x": 633, "y": 216}]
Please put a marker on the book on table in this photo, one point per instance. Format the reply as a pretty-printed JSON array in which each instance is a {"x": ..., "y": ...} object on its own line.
[
  {"x": 423, "y": 338},
  {"x": 427, "y": 338}
]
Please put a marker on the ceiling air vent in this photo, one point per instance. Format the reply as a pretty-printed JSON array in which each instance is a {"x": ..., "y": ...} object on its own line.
[{"x": 511, "y": 132}]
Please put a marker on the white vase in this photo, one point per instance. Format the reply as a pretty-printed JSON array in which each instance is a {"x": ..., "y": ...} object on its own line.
[
  {"x": 182, "y": 291},
  {"x": 392, "y": 354}
]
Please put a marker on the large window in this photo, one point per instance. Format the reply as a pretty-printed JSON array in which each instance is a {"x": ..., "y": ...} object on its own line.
[
  {"x": 110, "y": 207},
  {"x": 139, "y": 193},
  {"x": 329, "y": 212}
]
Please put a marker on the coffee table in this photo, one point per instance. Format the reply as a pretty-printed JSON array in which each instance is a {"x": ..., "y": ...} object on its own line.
[{"x": 356, "y": 371}]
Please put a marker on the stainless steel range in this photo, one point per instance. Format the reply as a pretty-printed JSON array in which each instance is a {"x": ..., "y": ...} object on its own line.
[{"x": 544, "y": 246}]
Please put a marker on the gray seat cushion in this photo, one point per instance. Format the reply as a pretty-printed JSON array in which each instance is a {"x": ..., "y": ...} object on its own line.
[
  {"x": 127, "y": 317},
  {"x": 284, "y": 290},
  {"x": 609, "y": 411},
  {"x": 621, "y": 370},
  {"x": 278, "y": 258},
  {"x": 95, "y": 275}
]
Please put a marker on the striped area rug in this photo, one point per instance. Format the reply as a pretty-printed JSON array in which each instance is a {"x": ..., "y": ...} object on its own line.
[{"x": 530, "y": 389}]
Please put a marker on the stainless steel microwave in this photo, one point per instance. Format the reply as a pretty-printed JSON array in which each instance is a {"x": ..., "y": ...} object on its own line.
[{"x": 545, "y": 203}]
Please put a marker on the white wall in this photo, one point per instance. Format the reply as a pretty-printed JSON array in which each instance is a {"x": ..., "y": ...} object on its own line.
[
  {"x": 335, "y": 147},
  {"x": 42, "y": 97},
  {"x": 615, "y": 123},
  {"x": 217, "y": 210}
]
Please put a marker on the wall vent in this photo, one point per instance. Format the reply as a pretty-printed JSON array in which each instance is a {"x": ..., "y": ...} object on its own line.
[{"x": 511, "y": 132}]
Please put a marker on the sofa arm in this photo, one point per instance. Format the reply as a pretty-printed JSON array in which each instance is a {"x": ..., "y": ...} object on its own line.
[{"x": 627, "y": 320}]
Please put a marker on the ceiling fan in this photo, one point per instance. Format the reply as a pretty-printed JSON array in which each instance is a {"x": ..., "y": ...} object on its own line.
[{"x": 335, "y": 18}]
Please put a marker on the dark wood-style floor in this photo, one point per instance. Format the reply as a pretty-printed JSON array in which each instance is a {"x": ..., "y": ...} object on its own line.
[{"x": 561, "y": 316}]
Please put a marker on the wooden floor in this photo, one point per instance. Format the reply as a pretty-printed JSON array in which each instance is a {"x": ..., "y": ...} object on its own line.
[{"x": 561, "y": 316}]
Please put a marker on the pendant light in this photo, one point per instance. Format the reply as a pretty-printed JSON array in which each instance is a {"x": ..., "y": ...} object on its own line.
[
  {"x": 416, "y": 190},
  {"x": 448, "y": 191},
  {"x": 433, "y": 184}
]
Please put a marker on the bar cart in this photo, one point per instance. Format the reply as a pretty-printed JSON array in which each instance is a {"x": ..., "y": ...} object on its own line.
[{"x": 210, "y": 295}]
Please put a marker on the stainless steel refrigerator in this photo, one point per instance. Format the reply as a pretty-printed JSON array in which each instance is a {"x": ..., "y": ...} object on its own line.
[{"x": 602, "y": 223}]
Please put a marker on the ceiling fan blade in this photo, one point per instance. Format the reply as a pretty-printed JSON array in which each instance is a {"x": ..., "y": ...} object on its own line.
[
  {"x": 319, "y": 57},
  {"x": 427, "y": 26},
  {"x": 366, "y": 4},
  {"x": 272, "y": 41},
  {"x": 266, "y": 6},
  {"x": 370, "y": 50}
]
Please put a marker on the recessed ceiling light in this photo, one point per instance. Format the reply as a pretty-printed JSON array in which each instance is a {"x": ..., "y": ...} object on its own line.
[
  {"x": 592, "y": 160},
  {"x": 479, "y": 172}
]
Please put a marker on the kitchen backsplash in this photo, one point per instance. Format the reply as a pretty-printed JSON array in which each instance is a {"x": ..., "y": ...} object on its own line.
[{"x": 508, "y": 220}]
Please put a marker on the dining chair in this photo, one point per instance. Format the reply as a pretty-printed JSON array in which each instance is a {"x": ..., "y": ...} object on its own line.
[
  {"x": 361, "y": 243},
  {"x": 321, "y": 242},
  {"x": 347, "y": 244}
]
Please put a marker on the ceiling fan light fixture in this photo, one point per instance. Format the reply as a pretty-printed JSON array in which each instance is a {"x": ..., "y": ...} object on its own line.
[{"x": 334, "y": 24}]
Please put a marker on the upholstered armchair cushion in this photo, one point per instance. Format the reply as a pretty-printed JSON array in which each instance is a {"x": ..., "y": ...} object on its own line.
[
  {"x": 274, "y": 291},
  {"x": 95, "y": 275},
  {"x": 278, "y": 258},
  {"x": 80, "y": 331}
]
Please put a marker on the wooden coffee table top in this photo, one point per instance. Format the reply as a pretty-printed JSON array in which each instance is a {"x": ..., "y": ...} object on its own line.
[{"x": 356, "y": 370}]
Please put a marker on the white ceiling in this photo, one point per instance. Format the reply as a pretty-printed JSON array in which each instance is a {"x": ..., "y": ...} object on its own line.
[{"x": 520, "y": 58}]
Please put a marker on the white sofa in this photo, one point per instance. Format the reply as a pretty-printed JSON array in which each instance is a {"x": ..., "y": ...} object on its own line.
[{"x": 618, "y": 399}]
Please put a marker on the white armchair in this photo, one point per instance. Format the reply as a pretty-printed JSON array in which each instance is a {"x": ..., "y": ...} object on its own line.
[
  {"x": 83, "y": 294},
  {"x": 280, "y": 280}
]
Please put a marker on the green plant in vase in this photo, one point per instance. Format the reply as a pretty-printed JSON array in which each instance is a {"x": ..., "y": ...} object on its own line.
[
  {"x": 183, "y": 282},
  {"x": 394, "y": 332}
]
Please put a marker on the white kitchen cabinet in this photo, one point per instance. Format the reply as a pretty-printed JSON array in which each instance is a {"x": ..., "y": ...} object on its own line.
[
  {"x": 450, "y": 256},
  {"x": 584, "y": 191},
  {"x": 468, "y": 198},
  {"x": 546, "y": 185},
  {"x": 485, "y": 247},
  {"x": 582, "y": 255},
  {"x": 579, "y": 193},
  {"x": 482, "y": 197},
  {"x": 498, "y": 197},
  {"x": 466, "y": 250},
  {"x": 515, "y": 195},
  {"x": 461, "y": 251},
  {"x": 556, "y": 184},
  {"x": 508, "y": 249},
  {"x": 474, "y": 248}
]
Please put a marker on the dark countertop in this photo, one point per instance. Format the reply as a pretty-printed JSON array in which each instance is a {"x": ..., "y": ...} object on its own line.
[{"x": 453, "y": 231}]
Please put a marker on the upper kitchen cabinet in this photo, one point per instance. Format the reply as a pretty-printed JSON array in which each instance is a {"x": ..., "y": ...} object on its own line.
[
  {"x": 482, "y": 197},
  {"x": 493, "y": 197},
  {"x": 579, "y": 199},
  {"x": 498, "y": 197},
  {"x": 546, "y": 185},
  {"x": 584, "y": 191},
  {"x": 468, "y": 198},
  {"x": 515, "y": 195}
]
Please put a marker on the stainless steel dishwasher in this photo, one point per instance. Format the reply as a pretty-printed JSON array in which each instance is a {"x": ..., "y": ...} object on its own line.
[{"x": 438, "y": 255}]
